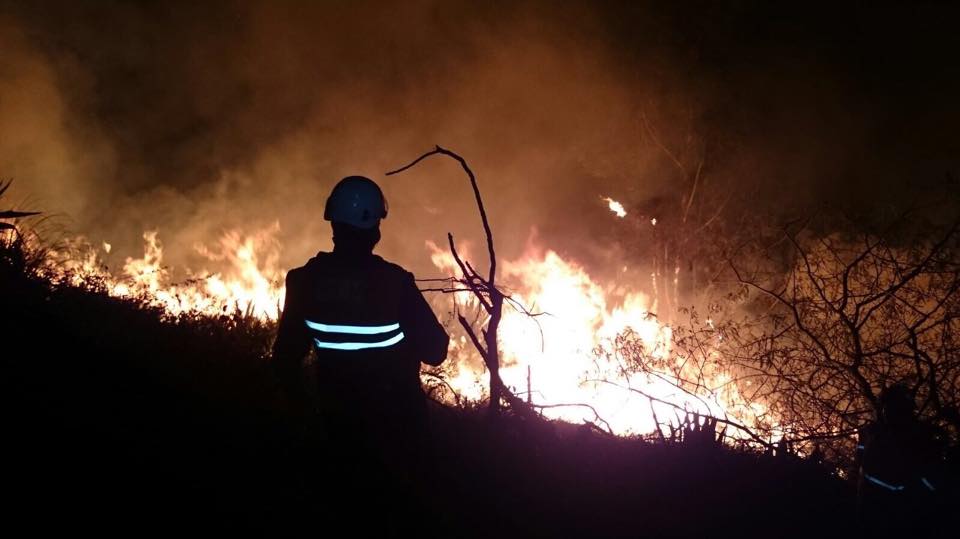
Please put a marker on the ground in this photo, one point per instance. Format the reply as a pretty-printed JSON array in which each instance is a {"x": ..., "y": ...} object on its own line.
[{"x": 120, "y": 422}]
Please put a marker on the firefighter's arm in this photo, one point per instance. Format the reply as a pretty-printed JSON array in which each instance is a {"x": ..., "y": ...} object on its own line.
[
  {"x": 861, "y": 446},
  {"x": 426, "y": 334},
  {"x": 292, "y": 342},
  {"x": 933, "y": 457}
]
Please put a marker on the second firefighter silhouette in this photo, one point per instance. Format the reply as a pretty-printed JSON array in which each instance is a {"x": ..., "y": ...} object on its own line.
[
  {"x": 366, "y": 320},
  {"x": 900, "y": 470}
]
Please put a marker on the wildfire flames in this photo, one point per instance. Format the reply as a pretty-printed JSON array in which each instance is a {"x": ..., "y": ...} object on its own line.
[
  {"x": 554, "y": 359},
  {"x": 252, "y": 284},
  {"x": 564, "y": 355}
]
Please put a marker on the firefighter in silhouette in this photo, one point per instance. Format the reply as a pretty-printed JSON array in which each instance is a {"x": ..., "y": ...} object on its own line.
[
  {"x": 900, "y": 460},
  {"x": 370, "y": 329}
]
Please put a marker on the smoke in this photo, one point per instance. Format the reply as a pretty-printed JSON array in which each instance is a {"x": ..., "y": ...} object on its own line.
[
  {"x": 195, "y": 119},
  {"x": 58, "y": 161}
]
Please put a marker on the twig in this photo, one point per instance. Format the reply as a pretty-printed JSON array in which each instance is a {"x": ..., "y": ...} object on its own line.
[{"x": 596, "y": 414}]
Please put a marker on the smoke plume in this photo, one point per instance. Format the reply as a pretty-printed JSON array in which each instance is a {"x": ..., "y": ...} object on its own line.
[{"x": 193, "y": 119}]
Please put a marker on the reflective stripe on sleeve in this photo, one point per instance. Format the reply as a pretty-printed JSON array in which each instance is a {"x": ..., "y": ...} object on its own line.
[
  {"x": 358, "y": 345},
  {"x": 883, "y": 484}
]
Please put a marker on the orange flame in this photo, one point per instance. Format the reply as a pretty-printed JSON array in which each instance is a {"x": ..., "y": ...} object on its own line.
[
  {"x": 554, "y": 353},
  {"x": 250, "y": 283}
]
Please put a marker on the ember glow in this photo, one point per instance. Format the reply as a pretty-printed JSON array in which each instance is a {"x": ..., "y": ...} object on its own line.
[
  {"x": 616, "y": 207},
  {"x": 562, "y": 358}
]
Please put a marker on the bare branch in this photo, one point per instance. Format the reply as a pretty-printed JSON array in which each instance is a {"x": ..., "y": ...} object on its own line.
[
  {"x": 476, "y": 192},
  {"x": 596, "y": 414}
]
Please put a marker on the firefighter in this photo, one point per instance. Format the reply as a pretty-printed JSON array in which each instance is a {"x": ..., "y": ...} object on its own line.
[
  {"x": 899, "y": 477},
  {"x": 370, "y": 328}
]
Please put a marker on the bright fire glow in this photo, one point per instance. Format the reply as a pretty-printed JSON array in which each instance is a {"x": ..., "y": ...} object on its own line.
[
  {"x": 616, "y": 207},
  {"x": 251, "y": 283},
  {"x": 555, "y": 353},
  {"x": 565, "y": 356}
]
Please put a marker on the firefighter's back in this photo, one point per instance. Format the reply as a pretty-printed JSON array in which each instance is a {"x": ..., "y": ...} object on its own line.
[
  {"x": 354, "y": 314},
  {"x": 898, "y": 482}
]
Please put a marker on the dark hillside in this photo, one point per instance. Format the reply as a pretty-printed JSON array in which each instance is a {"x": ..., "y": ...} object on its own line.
[{"x": 118, "y": 420}]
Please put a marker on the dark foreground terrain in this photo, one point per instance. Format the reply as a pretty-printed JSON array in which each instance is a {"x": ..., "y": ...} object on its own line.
[{"x": 118, "y": 422}]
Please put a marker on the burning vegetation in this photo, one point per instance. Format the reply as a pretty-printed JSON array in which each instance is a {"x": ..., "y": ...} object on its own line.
[
  {"x": 187, "y": 391},
  {"x": 566, "y": 346},
  {"x": 560, "y": 337},
  {"x": 723, "y": 234},
  {"x": 791, "y": 361}
]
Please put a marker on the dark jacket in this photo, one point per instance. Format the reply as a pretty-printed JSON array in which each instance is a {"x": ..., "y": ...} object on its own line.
[
  {"x": 899, "y": 481},
  {"x": 369, "y": 324},
  {"x": 899, "y": 459}
]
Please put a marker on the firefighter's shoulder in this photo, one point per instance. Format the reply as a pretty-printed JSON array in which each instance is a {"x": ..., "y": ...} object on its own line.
[
  {"x": 395, "y": 270},
  {"x": 302, "y": 274},
  {"x": 295, "y": 276}
]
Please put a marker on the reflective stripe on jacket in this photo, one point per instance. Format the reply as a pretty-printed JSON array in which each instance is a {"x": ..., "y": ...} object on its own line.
[{"x": 365, "y": 318}]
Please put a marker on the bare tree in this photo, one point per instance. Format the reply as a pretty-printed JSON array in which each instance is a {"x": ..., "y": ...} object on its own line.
[
  {"x": 813, "y": 329},
  {"x": 851, "y": 315},
  {"x": 484, "y": 290}
]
